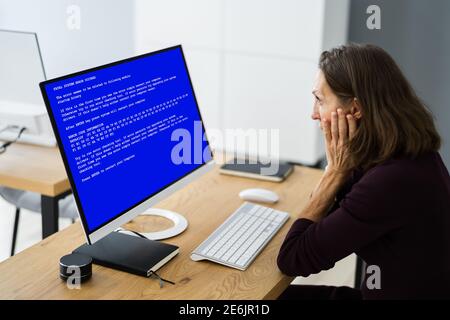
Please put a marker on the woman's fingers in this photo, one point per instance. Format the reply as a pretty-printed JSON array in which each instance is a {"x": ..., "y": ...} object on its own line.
[
  {"x": 351, "y": 125},
  {"x": 342, "y": 126},
  {"x": 326, "y": 131},
  {"x": 334, "y": 126}
]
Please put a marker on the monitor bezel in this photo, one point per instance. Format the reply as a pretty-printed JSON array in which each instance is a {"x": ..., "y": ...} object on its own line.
[{"x": 130, "y": 213}]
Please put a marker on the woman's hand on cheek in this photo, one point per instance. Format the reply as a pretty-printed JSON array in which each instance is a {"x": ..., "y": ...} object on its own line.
[{"x": 338, "y": 133}]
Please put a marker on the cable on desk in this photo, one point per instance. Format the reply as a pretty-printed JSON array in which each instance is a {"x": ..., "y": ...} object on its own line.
[
  {"x": 135, "y": 232},
  {"x": 8, "y": 143}
]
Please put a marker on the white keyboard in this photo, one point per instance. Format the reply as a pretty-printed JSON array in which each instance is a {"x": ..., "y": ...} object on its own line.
[{"x": 237, "y": 241}]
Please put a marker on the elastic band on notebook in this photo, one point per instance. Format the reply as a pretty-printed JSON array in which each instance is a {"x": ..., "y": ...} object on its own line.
[{"x": 161, "y": 280}]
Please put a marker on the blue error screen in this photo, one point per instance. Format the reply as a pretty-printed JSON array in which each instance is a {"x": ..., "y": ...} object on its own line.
[{"x": 128, "y": 130}]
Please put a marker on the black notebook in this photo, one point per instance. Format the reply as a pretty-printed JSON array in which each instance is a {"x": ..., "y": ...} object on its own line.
[
  {"x": 129, "y": 253},
  {"x": 256, "y": 170}
]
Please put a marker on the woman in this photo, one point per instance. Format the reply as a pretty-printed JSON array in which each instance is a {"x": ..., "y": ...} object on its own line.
[{"x": 385, "y": 194}]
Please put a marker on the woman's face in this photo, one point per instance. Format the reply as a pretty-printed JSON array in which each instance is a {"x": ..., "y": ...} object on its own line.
[{"x": 325, "y": 101}]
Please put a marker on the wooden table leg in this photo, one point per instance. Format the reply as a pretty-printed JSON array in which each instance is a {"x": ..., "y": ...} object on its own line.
[{"x": 50, "y": 214}]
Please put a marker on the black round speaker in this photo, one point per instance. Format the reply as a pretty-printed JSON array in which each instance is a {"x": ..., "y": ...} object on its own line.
[{"x": 75, "y": 265}]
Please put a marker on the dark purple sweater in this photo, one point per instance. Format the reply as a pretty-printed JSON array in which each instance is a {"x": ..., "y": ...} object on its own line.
[{"x": 395, "y": 216}]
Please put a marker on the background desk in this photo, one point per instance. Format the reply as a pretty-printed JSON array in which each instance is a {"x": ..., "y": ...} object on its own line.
[
  {"x": 38, "y": 169},
  {"x": 206, "y": 203}
]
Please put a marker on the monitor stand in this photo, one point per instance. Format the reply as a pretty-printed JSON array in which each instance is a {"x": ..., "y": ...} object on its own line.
[{"x": 179, "y": 224}]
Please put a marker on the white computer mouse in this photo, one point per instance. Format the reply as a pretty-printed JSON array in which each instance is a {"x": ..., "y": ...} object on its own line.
[{"x": 260, "y": 195}]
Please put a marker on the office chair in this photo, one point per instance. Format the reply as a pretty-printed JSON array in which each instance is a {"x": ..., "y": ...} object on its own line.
[
  {"x": 360, "y": 272},
  {"x": 32, "y": 201}
]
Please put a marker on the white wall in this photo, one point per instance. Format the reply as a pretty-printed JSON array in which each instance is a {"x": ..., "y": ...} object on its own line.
[
  {"x": 252, "y": 62},
  {"x": 105, "y": 34}
]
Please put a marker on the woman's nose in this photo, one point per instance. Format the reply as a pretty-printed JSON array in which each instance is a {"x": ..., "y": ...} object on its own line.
[
  {"x": 315, "y": 113},
  {"x": 315, "y": 116}
]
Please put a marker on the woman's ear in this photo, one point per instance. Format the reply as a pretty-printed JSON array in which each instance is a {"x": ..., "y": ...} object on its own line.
[{"x": 355, "y": 109}]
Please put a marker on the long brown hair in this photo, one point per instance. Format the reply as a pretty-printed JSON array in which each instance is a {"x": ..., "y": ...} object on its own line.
[{"x": 394, "y": 120}]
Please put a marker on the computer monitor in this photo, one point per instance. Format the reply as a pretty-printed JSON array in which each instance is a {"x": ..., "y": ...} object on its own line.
[
  {"x": 21, "y": 104},
  {"x": 130, "y": 133}
]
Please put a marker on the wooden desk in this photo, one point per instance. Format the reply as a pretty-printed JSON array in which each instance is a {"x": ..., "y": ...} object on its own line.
[
  {"x": 37, "y": 169},
  {"x": 206, "y": 202}
]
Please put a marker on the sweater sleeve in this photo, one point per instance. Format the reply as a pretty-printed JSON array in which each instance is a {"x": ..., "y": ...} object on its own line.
[{"x": 368, "y": 211}]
